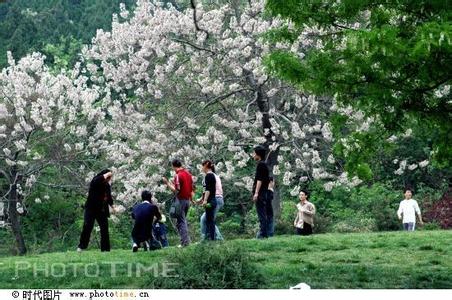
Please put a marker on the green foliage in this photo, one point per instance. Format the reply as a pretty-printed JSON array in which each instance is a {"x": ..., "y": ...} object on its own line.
[
  {"x": 211, "y": 265},
  {"x": 27, "y": 26},
  {"x": 364, "y": 209},
  {"x": 284, "y": 225},
  {"x": 63, "y": 54},
  {"x": 230, "y": 226},
  {"x": 393, "y": 61},
  {"x": 430, "y": 226},
  {"x": 354, "y": 222},
  {"x": 363, "y": 171},
  {"x": 52, "y": 224}
]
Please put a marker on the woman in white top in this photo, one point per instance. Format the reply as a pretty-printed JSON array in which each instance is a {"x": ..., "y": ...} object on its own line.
[{"x": 220, "y": 203}]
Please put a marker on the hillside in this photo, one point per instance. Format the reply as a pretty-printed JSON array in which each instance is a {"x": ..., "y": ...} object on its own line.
[
  {"x": 374, "y": 260},
  {"x": 30, "y": 25}
]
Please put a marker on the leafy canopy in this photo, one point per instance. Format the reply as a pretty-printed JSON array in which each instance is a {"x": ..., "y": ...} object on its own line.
[{"x": 391, "y": 60}]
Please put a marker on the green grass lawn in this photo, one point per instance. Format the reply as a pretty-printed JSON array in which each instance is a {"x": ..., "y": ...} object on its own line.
[{"x": 422, "y": 259}]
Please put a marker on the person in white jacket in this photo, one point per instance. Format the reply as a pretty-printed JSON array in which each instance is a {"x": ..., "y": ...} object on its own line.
[{"x": 407, "y": 211}]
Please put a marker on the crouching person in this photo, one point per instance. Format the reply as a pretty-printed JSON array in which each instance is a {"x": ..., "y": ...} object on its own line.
[
  {"x": 144, "y": 214},
  {"x": 159, "y": 228}
]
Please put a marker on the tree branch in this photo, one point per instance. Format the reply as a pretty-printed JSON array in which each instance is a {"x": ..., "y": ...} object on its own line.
[
  {"x": 193, "y": 45},
  {"x": 195, "y": 21}
]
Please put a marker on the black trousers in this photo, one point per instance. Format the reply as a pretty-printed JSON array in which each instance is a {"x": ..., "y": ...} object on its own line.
[
  {"x": 88, "y": 225},
  {"x": 262, "y": 209},
  {"x": 306, "y": 230},
  {"x": 142, "y": 232}
]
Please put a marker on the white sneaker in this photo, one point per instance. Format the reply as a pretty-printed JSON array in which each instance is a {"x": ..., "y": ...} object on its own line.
[
  {"x": 179, "y": 246},
  {"x": 135, "y": 247},
  {"x": 79, "y": 249}
]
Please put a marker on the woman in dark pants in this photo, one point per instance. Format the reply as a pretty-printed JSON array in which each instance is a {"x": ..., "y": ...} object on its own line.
[
  {"x": 96, "y": 209},
  {"x": 208, "y": 198}
]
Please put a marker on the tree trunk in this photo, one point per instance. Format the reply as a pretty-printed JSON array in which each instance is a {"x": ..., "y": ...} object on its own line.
[
  {"x": 264, "y": 108},
  {"x": 243, "y": 213},
  {"x": 272, "y": 158},
  {"x": 14, "y": 218}
]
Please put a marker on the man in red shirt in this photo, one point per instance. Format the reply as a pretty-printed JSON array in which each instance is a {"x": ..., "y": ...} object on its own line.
[{"x": 182, "y": 186}]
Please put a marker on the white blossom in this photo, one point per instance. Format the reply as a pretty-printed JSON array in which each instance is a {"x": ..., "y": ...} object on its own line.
[
  {"x": 328, "y": 186},
  {"x": 423, "y": 163}
]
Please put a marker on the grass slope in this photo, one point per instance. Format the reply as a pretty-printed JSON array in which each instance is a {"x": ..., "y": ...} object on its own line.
[{"x": 421, "y": 259}]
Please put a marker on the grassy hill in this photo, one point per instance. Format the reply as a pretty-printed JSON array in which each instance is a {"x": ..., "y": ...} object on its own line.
[{"x": 375, "y": 260}]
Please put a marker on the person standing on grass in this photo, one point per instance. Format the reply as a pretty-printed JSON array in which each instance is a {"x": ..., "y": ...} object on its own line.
[
  {"x": 304, "y": 220},
  {"x": 407, "y": 211},
  {"x": 182, "y": 186},
  {"x": 97, "y": 209},
  {"x": 260, "y": 192},
  {"x": 144, "y": 214},
  {"x": 208, "y": 199},
  {"x": 219, "y": 204}
]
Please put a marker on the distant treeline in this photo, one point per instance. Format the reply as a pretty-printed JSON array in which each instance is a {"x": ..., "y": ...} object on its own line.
[{"x": 31, "y": 25}]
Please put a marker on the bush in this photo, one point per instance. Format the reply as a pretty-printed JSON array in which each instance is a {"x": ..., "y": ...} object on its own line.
[
  {"x": 357, "y": 223},
  {"x": 322, "y": 223},
  {"x": 211, "y": 266},
  {"x": 284, "y": 225},
  {"x": 441, "y": 211},
  {"x": 230, "y": 227},
  {"x": 380, "y": 203},
  {"x": 51, "y": 224},
  {"x": 429, "y": 226}
]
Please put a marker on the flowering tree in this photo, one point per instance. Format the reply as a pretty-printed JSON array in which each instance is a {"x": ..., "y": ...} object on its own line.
[
  {"x": 192, "y": 84},
  {"x": 44, "y": 120}
]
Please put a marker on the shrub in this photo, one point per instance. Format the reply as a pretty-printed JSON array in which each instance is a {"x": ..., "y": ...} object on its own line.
[
  {"x": 212, "y": 266},
  {"x": 441, "y": 211},
  {"x": 284, "y": 225},
  {"x": 322, "y": 223},
  {"x": 429, "y": 226},
  {"x": 357, "y": 222},
  {"x": 380, "y": 202},
  {"x": 230, "y": 227},
  {"x": 51, "y": 225}
]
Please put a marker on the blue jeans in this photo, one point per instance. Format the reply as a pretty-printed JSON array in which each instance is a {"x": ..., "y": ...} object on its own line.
[
  {"x": 202, "y": 220},
  {"x": 160, "y": 231},
  {"x": 408, "y": 226},
  {"x": 261, "y": 210},
  {"x": 264, "y": 211}
]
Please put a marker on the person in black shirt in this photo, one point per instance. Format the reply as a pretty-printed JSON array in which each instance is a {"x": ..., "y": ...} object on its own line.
[
  {"x": 208, "y": 198},
  {"x": 96, "y": 209},
  {"x": 144, "y": 214},
  {"x": 261, "y": 194}
]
